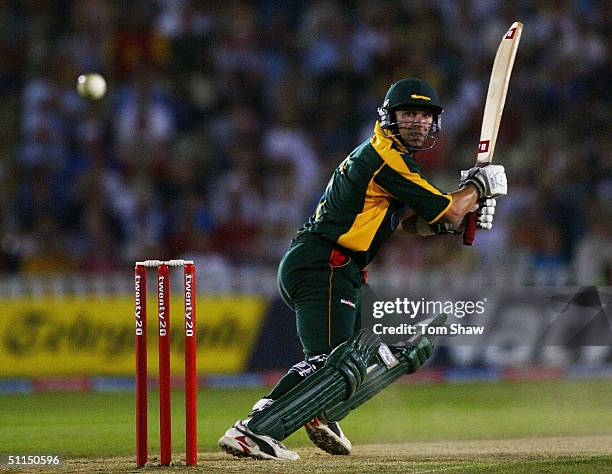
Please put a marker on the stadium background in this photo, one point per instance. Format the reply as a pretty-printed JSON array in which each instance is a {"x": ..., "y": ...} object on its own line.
[{"x": 221, "y": 125}]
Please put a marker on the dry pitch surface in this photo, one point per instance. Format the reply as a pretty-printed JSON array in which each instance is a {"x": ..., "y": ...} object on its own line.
[{"x": 559, "y": 454}]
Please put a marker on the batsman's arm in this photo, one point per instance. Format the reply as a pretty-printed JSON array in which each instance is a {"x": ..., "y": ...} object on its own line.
[{"x": 463, "y": 202}]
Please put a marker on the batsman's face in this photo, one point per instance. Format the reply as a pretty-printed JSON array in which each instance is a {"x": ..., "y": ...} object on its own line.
[{"x": 414, "y": 126}]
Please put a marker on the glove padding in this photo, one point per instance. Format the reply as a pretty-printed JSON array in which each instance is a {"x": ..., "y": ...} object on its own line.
[
  {"x": 486, "y": 211},
  {"x": 490, "y": 181}
]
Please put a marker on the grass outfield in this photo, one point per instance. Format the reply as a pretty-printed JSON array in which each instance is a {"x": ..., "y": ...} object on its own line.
[{"x": 560, "y": 426}]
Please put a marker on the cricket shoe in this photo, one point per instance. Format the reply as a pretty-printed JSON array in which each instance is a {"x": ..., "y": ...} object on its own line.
[
  {"x": 240, "y": 441},
  {"x": 328, "y": 436}
]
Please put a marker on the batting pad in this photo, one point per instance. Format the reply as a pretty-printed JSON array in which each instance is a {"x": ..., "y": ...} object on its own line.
[{"x": 342, "y": 374}]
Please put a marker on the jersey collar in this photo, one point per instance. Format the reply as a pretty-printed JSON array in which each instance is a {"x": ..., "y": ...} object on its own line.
[{"x": 386, "y": 136}]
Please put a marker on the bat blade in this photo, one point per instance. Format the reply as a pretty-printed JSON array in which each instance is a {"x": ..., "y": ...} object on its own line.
[
  {"x": 496, "y": 94},
  {"x": 494, "y": 107}
]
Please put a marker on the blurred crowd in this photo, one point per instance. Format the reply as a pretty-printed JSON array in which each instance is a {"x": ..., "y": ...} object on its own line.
[{"x": 224, "y": 120}]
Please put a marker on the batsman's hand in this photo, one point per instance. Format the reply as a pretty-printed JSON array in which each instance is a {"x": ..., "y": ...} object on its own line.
[
  {"x": 490, "y": 181},
  {"x": 440, "y": 228},
  {"x": 485, "y": 210}
]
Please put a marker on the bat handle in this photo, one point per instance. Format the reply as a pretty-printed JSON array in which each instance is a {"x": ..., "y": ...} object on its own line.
[{"x": 470, "y": 229}]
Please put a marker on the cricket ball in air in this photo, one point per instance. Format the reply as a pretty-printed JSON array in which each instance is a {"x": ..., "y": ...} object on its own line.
[{"x": 91, "y": 86}]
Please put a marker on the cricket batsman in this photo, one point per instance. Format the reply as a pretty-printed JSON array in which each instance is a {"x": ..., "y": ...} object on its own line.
[{"x": 378, "y": 188}]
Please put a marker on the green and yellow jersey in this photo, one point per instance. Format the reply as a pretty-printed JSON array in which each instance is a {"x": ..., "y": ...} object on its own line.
[{"x": 366, "y": 194}]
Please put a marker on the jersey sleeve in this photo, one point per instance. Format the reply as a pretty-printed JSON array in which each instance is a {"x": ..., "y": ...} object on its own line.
[{"x": 414, "y": 191}]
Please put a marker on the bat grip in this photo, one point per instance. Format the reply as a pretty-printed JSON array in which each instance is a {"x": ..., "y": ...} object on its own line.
[{"x": 470, "y": 229}]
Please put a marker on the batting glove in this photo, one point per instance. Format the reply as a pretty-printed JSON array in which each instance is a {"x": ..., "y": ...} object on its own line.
[
  {"x": 486, "y": 211},
  {"x": 490, "y": 181}
]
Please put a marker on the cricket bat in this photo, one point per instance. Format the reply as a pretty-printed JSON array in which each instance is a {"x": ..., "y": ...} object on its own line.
[{"x": 494, "y": 107}]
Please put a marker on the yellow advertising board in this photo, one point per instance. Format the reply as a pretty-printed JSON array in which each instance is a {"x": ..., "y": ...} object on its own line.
[{"x": 95, "y": 336}]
